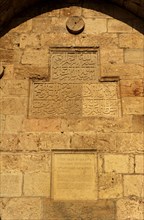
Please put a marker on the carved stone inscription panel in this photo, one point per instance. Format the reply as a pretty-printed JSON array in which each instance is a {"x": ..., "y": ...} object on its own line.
[
  {"x": 74, "y": 176},
  {"x": 55, "y": 100},
  {"x": 74, "y": 65}
]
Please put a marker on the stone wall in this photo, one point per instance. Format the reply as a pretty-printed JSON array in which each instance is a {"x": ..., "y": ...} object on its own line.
[{"x": 106, "y": 115}]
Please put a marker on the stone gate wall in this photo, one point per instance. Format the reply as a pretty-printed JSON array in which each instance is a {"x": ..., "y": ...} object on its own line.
[{"x": 72, "y": 95}]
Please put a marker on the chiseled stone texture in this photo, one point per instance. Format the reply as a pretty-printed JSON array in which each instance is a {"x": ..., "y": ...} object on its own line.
[
  {"x": 134, "y": 185},
  {"x": 102, "y": 209},
  {"x": 37, "y": 184},
  {"x": 22, "y": 209},
  {"x": 139, "y": 163},
  {"x": 11, "y": 184},
  {"x": 130, "y": 208}
]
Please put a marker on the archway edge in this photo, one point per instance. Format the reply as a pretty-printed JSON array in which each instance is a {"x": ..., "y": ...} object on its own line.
[{"x": 10, "y": 8}]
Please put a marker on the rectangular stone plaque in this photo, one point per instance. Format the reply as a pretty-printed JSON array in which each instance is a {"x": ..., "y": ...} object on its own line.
[
  {"x": 74, "y": 176},
  {"x": 49, "y": 100},
  {"x": 74, "y": 64}
]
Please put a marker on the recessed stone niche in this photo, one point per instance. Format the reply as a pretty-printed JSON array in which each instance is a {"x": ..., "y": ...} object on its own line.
[{"x": 74, "y": 175}]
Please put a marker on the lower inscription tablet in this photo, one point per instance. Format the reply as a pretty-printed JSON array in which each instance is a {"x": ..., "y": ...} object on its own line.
[{"x": 74, "y": 176}]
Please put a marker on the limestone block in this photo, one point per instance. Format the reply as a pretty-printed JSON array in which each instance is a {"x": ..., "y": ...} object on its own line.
[
  {"x": 35, "y": 57},
  {"x": 54, "y": 140},
  {"x": 83, "y": 140},
  {"x": 124, "y": 71},
  {"x": 9, "y": 142},
  {"x": 9, "y": 71},
  {"x": 117, "y": 163},
  {"x": 14, "y": 106},
  {"x": 6, "y": 56},
  {"x": 28, "y": 142},
  {"x": 133, "y": 105},
  {"x": 106, "y": 142},
  {"x": 134, "y": 185},
  {"x": 130, "y": 88},
  {"x": 130, "y": 208},
  {"x": 98, "y": 124},
  {"x": 52, "y": 39},
  {"x": 11, "y": 162},
  {"x": 41, "y": 25},
  {"x": 133, "y": 40},
  {"x": 111, "y": 56},
  {"x": 138, "y": 123},
  {"x": 37, "y": 184},
  {"x": 11, "y": 88},
  {"x": 58, "y": 25},
  {"x": 33, "y": 40},
  {"x": 130, "y": 142},
  {"x": 95, "y": 26},
  {"x": 134, "y": 56},
  {"x": 41, "y": 125},
  {"x": 110, "y": 186},
  {"x": 9, "y": 41},
  {"x": 118, "y": 26},
  {"x": 139, "y": 163},
  {"x": 10, "y": 184},
  {"x": 13, "y": 124},
  {"x": 36, "y": 162},
  {"x": 22, "y": 209},
  {"x": 30, "y": 71},
  {"x": 71, "y": 11},
  {"x": 70, "y": 210}
]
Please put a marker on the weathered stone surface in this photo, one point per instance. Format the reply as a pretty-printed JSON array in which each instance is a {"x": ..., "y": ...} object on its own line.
[
  {"x": 37, "y": 184},
  {"x": 83, "y": 140},
  {"x": 110, "y": 186},
  {"x": 13, "y": 124},
  {"x": 35, "y": 57},
  {"x": 24, "y": 27},
  {"x": 131, "y": 88},
  {"x": 10, "y": 162},
  {"x": 134, "y": 56},
  {"x": 100, "y": 25},
  {"x": 41, "y": 125},
  {"x": 132, "y": 40},
  {"x": 33, "y": 40},
  {"x": 106, "y": 142},
  {"x": 139, "y": 163},
  {"x": 118, "y": 26},
  {"x": 14, "y": 106},
  {"x": 133, "y": 105},
  {"x": 117, "y": 163},
  {"x": 54, "y": 140},
  {"x": 2, "y": 123},
  {"x": 130, "y": 208},
  {"x": 138, "y": 123},
  {"x": 22, "y": 208},
  {"x": 74, "y": 176},
  {"x": 134, "y": 185},
  {"x": 103, "y": 209},
  {"x": 111, "y": 56},
  {"x": 130, "y": 142},
  {"x": 10, "y": 184}
]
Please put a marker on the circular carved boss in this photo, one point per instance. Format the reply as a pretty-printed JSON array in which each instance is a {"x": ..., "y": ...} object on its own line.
[{"x": 75, "y": 25}]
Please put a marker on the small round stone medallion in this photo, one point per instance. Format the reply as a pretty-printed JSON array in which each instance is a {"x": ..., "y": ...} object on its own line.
[{"x": 75, "y": 25}]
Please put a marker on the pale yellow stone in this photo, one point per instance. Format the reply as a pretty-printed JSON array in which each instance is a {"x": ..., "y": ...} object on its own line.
[
  {"x": 36, "y": 162},
  {"x": 118, "y": 26},
  {"x": 33, "y": 40},
  {"x": 130, "y": 208},
  {"x": 83, "y": 140},
  {"x": 13, "y": 124},
  {"x": 22, "y": 209},
  {"x": 95, "y": 26},
  {"x": 133, "y": 105},
  {"x": 139, "y": 163},
  {"x": 117, "y": 163},
  {"x": 71, "y": 11},
  {"x": 134, "y": 56},
  {"x": 2, "y": 122},
  {"x": 74, "y": 176},
  {"x": 130, "y": 142},
  {"x": 37, "y": 184},
  {"x": 134, "y": 185},
  {"x": 138, "y": 123},
  {"x": 35, "y": 57},
  {"x": 132, "y": 40},
  {"x": 41, "y": 25},
  {"x": 111, "y": 56},
  {"x": 14, "y": 106},
  {"x": 110, "y": 186},
  {"x": 10, "y": 162},
  {"x": 10, "y": 184}
]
